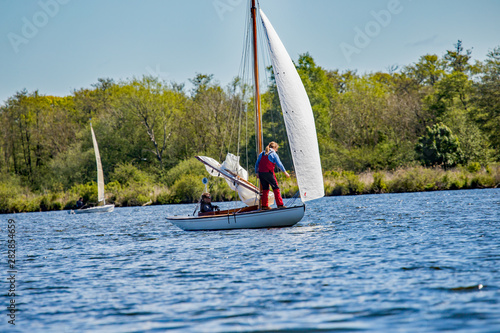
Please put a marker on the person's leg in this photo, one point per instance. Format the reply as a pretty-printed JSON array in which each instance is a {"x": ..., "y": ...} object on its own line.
[
  {"x": 265, "y": 198},
  {"x": 276, "y": 190},
  {"x": 277, "y": 197},
  {"x": 264, "y": 184},
  {"x": 271, "y": 180}
]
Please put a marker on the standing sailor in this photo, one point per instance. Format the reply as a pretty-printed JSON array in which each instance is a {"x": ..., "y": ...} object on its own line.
[{"x": 264, "y": 168}]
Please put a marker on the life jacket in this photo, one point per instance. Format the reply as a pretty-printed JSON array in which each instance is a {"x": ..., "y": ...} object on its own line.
[{"x": 265, "y": 165}]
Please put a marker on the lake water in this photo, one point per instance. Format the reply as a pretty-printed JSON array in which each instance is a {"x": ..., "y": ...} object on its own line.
[{"x": 413, "y": 262}]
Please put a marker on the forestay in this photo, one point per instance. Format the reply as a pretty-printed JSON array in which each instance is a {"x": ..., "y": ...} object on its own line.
[{"x": 298, "y": 117}]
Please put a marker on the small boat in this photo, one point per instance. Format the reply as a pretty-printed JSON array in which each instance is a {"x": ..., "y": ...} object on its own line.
[
  {"x": 301, "y": 132},
  {"x": 241, "y": 218},
  {"x": 101, "y": 205},
  {"x": 96, "y": 209}
]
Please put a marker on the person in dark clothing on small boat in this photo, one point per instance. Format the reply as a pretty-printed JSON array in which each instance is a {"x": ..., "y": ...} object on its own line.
[
  {"x": 206, "y": 204},
  {"x": 79, "y": 203}
]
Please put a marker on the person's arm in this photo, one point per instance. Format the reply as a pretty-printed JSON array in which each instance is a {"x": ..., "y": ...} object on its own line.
[{"x": 273, "y": 157}]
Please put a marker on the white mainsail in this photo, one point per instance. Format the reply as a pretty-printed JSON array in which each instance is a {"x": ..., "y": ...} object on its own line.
[
  {"x": 100, "y": 176},
  {"x": 236, "y": 177},
  {"x": 298, "y": 116}
]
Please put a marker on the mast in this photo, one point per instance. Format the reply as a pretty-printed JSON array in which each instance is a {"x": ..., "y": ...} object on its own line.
[{"x": 258, "y": 115}]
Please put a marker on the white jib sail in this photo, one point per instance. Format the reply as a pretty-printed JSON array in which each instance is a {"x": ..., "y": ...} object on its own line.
[
  {"x": 298, "y": 116},
  {"x": 100, "y": 176},
  {"x": 232, "y": 163},
  {"x": 236, "y": 177}
]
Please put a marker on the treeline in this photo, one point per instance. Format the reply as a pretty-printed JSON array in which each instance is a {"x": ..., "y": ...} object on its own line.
[{"x": 442, "y": 111}]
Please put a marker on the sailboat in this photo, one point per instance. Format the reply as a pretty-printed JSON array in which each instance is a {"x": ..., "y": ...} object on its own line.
[
  {"x": 101, "y": 201},
  {"x": 301, "y": 132}
]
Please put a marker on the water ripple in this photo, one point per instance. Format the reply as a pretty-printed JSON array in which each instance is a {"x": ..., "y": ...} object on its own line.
[{"x": 415, "y": 262}]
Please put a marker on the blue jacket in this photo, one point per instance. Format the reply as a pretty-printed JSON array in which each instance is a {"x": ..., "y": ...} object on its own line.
[{"x": 273, "y": 157}]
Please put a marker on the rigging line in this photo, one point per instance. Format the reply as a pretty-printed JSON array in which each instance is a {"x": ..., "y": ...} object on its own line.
[
  {"x": 237, "y": 123},
  {"x": 249, "y": 72},
  {"x": 231, "y": 118},
  {"x": 292, "y": 200},
  {"x": 246, "y": 137},
  {"x": 246, "y": 76},
  {"x": 266, "y": 56},
  {"x": 234, "y": 101},
  {"x": 241, "y": 75},
  {"x": 241, "y": 109},
  {"x": 244, "y": 64},
  {"x": 266, "y": 63}
]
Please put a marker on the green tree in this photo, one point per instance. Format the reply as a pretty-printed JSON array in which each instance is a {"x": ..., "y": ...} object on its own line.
[
  {"x": 487, "y": 100},
  {"x": 439, "y": 147},
  {"x": 427, "y": 71},
  {"x": 35, "y": 129},
  {"x": 457, "y": 59},
  {"x": 212, "y": 126},
  {"x": 152, "y": 105}
]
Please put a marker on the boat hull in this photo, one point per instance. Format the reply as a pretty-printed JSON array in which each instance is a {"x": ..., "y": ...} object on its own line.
[
  {"x": 273, "y": 218},
  {"x": 96, "y": 209}
]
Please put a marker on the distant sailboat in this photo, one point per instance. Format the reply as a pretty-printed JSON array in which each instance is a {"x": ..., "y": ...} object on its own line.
[
  {"x": 101, "y": 201},
  {"x": 301, "y": 131}
]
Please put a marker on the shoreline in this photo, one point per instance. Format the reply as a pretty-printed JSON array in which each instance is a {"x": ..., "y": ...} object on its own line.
[{"x": 337, "y": 183}]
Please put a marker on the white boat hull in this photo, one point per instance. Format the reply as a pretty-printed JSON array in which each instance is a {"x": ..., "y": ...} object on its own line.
[
  {"x": 273, "y": 218},
  {"x": 96, "y": 209}
]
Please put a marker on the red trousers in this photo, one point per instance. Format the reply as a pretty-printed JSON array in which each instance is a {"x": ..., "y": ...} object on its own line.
[
  {"x": 268, "y": 179},
  {"x": 277, "y": 197}
]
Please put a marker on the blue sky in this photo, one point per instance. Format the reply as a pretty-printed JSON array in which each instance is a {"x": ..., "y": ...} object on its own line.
[{"x": 57, "y": 46}]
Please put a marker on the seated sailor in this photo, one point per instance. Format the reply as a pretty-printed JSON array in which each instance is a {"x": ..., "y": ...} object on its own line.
[{"x": 206, "y": 204}]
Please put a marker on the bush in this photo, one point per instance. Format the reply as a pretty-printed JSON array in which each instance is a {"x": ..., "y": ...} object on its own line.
[
  {"x": 112, "y": 191},
  {"x": 343, "y": 183},
  {"x": 25, "y": 204},
  {"x": 354, "y": 185},
  {"x": 482, "y": 181},
  {"x": 191, "y": 167},
  {"x": 453, "y": 181},
  {"x": 186, "y": 189},
  {"x": 127, "y": 173},
  {"x": 378, "y": 185},
  {"x": 473, "y": 167},
  {"x": 133, "y": 195},
  {"x": 415, "y": 179},
  {"x": 163, "y": 198},
  {"x": 439, "y": 147},
  {"x": 88, "y": 191},
  {"x": 10, "y": 189}
]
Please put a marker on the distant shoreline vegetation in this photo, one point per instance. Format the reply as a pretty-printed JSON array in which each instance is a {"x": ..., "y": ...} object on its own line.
[
  {"x": 431, "y": 125},
  {"x": 188, "y": 188}
]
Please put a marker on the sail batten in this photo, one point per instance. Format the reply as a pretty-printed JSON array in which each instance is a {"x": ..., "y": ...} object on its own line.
[
  {"x": 298, "y": 117},
  {"x": 100, "y": 175}
]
